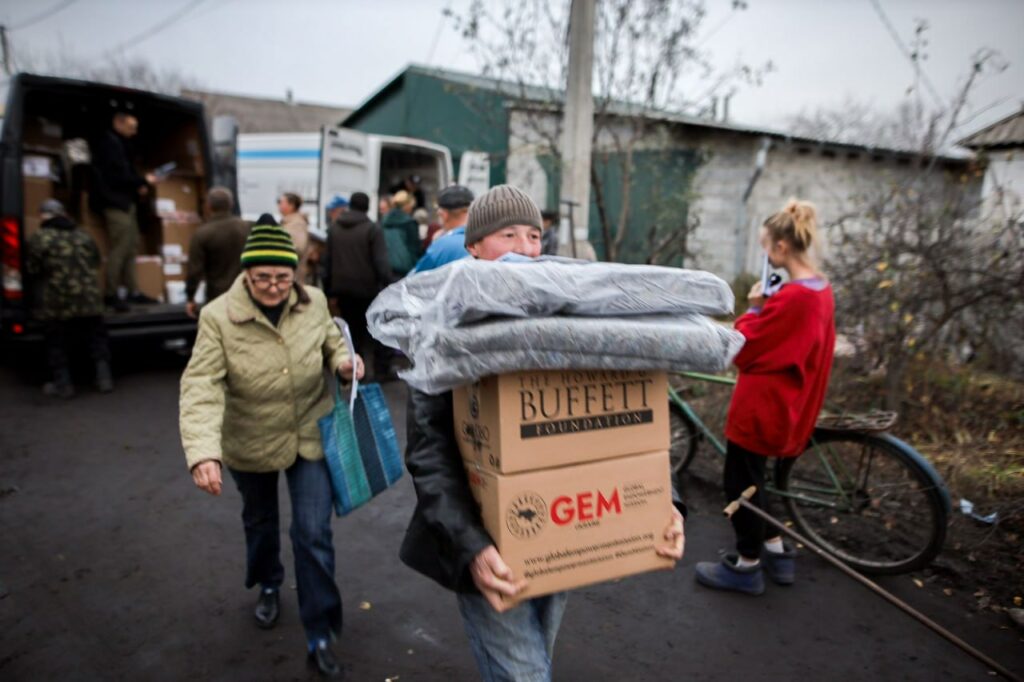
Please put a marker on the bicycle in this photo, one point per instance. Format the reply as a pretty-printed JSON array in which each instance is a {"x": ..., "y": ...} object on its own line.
[{"x": 863, "y": 495}]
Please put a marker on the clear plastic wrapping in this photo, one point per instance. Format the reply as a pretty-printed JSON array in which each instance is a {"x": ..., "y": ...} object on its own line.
[
  {"x": 471, "y": 290},
  {"x": 465, "y": 354}
]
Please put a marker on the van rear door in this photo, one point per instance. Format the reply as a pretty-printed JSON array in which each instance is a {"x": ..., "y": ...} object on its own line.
[{"x": 344, "y": 165}]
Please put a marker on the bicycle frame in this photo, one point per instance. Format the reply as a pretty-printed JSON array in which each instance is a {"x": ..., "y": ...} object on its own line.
[{"x": 719, "y": 445}]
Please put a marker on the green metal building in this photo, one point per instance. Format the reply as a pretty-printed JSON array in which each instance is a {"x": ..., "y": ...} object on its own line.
[{"x": 471, "y": 113}]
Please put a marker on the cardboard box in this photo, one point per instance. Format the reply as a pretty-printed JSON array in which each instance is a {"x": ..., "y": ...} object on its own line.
[
  {"x": 149, "y": 275},
  {"x": 32, "y": 223},
  {"x": 177, "y": 234},
  {"x": 42, "y": 134},
  {"x": 175, "y": 271},
  {"x": 177, "y": 195},
  {"x": 524, "y": 421},
  {"x": 35, "y": 192},
  {"x": 176, "y": 293},
  {"x": 578, "y": 525}
]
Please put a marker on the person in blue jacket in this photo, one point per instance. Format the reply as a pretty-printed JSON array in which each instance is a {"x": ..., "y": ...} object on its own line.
[{"x": 453, "y": 211}]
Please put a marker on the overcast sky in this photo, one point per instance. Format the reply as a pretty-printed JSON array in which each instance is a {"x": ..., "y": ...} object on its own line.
[{"x": 341, "y": 51}]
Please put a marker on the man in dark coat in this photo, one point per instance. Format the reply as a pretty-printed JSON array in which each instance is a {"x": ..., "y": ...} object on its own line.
[
  {"x": 63, "y": 260},
  {"x": 214, "y": 254},
  {"x": 355, "y": 269},
  {"x": 115, "y": 191}
]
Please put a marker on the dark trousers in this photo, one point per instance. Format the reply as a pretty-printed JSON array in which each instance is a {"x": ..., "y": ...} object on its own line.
[
  {"x": 64, "y": 336},
  {"x": 309, "y": 487},
  {"x": 742, "y": 470},
  {"x": 353, "y": 311},
  {"x": 123, "y": 229}
]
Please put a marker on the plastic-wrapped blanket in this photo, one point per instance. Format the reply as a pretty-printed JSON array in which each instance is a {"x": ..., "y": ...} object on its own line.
[
  {"x": 444, "y": 359},
  {"x": 471, "y": 290}
]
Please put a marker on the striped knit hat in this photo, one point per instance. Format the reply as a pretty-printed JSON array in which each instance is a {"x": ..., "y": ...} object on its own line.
[
  {"x": 500, "y": 207},
  {"x": 269, "y": 245}
]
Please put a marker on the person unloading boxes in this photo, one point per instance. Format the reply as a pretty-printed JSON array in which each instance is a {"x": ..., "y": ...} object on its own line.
[
  {"x": 117, "y": 187},
  {"x": 215, "y": 252},
  {"x": 446, "y": 539}
]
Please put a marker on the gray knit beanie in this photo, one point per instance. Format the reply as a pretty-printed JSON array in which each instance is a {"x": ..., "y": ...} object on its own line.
[{"x": 500, "y": 207}]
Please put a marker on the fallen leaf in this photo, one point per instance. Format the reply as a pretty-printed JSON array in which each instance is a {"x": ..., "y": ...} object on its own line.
[
  {"x": 366, "y": 606},
  {"x": 948, "y": 592},
  {"x": 918, "y": 582},
  {"x": 885, "y": 284},
  {"x": 882, "y": 267}
]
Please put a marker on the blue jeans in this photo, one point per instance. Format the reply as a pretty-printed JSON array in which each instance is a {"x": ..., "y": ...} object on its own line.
[
  {"x": 309, "y": 487},
  {"x": 517, "y": 645}
]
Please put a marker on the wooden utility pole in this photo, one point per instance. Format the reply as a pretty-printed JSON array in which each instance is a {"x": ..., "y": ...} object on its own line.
[
  {"x": 578, "y": 130},
  {"x": 5, "y": 47}
]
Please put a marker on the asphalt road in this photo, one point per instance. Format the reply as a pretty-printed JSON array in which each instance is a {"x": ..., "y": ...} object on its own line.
[{"x": 113, "y": 566}]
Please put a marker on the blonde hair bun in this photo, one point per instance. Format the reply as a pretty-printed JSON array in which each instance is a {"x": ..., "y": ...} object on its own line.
[{"x": 797, "y": 223}]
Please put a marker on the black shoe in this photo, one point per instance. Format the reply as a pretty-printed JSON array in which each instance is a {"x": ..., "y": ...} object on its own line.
[
  {"x": 139, "y": 297},
  {"x": 118, "y": 305},
  {"x": 55, "y": 389},
  {"x": 267, "y": 609},
  {"x": 104, "y": 380},
  {"x": 323, "y": 658}
]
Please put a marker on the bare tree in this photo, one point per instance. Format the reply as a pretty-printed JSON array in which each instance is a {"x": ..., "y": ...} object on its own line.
[
  {"x": 647, "y": 62},
  {"x": 927, "y": 263},
  {"x": 115, "y": 69}
]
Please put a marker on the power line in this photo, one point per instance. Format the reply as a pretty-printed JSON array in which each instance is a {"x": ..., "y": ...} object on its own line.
[
  {"x": 43, "y": 15},
  {"x": 157, "y": 27},
  {"x": 906, "y": 53}
]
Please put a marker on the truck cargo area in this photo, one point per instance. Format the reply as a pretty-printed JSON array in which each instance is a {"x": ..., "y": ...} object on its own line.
[{"x": 59, "y": 123}]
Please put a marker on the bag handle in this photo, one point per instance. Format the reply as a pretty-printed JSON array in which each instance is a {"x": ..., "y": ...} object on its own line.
[{"x": 343, "y": 326}]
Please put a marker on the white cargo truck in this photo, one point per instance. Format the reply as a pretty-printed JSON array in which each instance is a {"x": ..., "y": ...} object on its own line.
[{"x": 317, "y": 166}]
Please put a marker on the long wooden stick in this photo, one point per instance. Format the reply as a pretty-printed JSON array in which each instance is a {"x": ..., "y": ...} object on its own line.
[{"x": 744, "y": 501}]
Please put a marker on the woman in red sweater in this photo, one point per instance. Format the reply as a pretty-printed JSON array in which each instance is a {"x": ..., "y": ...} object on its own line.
[{"x": 784, "y": 369}]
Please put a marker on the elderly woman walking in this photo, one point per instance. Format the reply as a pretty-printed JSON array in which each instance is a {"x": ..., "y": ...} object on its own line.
[{"x": 250, "y": 399}]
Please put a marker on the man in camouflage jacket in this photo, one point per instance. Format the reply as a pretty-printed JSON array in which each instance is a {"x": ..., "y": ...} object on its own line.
[{"x": 63, "y": 261}]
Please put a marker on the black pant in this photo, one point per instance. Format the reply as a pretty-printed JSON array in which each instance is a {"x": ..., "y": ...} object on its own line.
[
  {"x": 742, "y": 470},
  {"x": 64, "y": 336},
  {"x": 353, "y": 311}
]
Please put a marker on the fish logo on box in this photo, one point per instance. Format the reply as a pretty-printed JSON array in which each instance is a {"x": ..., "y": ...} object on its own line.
[{"x": 526, "y": 515}]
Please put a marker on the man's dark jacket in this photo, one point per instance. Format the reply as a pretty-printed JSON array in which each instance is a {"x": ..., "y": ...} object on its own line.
[
  {"x": 115, "y": 183},
  {"x": 357, "y": 257},
  {"x": 215, "y": 253},
  {"x": 445, "y": 532}
]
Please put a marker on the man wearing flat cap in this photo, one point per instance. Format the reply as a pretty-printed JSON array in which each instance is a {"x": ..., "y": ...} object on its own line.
[{"x": 452, "y": 209}]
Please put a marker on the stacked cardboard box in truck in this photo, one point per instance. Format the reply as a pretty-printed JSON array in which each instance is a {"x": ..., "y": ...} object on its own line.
[{"x": 571, "y": 472}]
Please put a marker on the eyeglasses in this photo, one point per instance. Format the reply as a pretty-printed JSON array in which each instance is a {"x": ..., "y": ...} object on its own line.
[{"x": 265, "y": 281}]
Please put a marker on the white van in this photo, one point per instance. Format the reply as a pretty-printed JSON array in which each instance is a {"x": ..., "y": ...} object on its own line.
[{"x": 317, "y": 166}]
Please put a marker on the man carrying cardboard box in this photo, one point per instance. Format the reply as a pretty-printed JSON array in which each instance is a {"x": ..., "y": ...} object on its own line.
[{"x": 446, "y": 539}]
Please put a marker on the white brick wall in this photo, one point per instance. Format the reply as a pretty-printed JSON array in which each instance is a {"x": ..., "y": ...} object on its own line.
[{"x": 831, "y": 177}]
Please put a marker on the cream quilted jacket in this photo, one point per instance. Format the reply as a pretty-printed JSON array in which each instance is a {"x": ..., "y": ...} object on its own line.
[{"x": 251, "y": 394}]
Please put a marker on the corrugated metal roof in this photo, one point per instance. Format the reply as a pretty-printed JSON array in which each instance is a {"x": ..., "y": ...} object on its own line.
[
  {"x": 264, "y": 115},
  {"x": 1009, "y": 132},
  {"x": 525, "y": 93}
]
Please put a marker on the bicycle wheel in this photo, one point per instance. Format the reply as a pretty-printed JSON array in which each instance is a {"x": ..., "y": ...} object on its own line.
[
  {"x": 683, "y": 444},
  {"x": 865, "y": 500}
]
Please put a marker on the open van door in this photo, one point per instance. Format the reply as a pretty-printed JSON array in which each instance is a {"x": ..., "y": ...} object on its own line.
[
  {"x": 344, "y": 166},
  {"x": 475, "y": 172}
]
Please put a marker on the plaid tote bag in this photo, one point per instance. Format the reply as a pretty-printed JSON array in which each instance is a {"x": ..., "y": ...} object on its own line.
[{"x": 360, "y": 444}]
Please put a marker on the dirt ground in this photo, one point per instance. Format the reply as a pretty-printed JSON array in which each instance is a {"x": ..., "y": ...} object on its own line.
[{"x": 112, "y": 566}]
